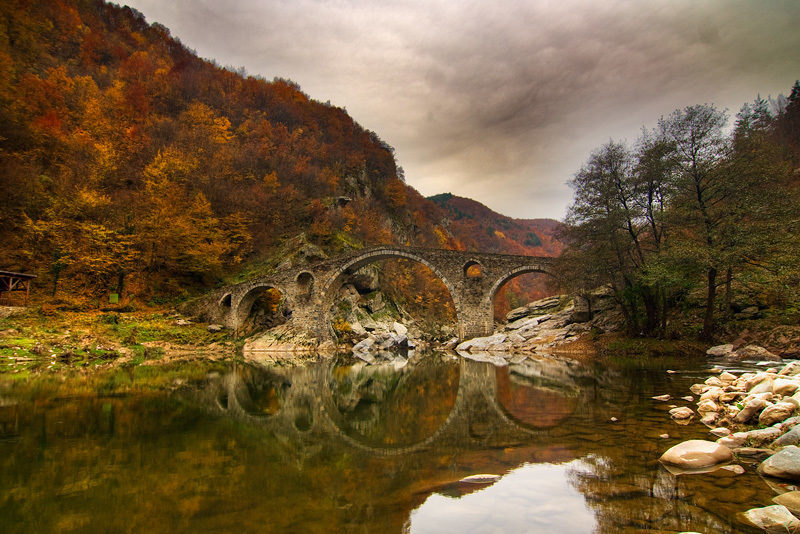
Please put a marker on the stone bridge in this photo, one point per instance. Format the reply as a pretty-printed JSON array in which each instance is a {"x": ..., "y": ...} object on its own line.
[{"x": 310, "y": 291}]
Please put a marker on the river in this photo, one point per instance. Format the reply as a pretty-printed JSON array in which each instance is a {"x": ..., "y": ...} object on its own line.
[{"x": 340, "y": 446}]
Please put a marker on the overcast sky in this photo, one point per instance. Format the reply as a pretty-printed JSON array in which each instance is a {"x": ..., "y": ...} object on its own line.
[{"x": 501, "y": 100}]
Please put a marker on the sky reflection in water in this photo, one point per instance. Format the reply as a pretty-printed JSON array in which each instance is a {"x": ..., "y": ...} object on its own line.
[{"x": 532, "y": 498}]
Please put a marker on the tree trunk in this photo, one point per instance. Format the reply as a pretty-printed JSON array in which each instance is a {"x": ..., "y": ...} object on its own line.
[
  {"x": 728, "y": 279},
  {"x": 708, "y": 321}
]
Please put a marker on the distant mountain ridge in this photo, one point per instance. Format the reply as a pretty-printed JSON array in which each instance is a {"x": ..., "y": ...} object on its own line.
[{"x": 479, "y": 227}]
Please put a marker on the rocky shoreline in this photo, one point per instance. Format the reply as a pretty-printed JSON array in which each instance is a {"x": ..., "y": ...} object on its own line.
[{"x": 755, "y": 417}]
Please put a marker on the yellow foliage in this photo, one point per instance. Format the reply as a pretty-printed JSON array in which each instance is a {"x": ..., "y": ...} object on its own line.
[{"x": 499, "y": 234}]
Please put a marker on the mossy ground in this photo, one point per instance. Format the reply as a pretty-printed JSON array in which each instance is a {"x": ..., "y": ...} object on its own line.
[{"x": 125, "y": 346}]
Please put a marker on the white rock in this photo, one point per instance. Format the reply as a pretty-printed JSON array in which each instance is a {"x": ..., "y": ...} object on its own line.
[
  {"x": 720, "y": 431},
  {"x": 775, "y": 518},
  {"x": 707, "y": 406},
  {"x": 696, "y": 454},
  {"x": 399, "y": 329},
  {"x": 784, "y": 386},
  {"x": 661, "y": 398},
  {"x": 682, "y": 412}
]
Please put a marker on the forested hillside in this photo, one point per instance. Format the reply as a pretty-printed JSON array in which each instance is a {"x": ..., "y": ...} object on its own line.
[
  {"x": 693, "y": 217},
  {"x": 129, "y": 163}
]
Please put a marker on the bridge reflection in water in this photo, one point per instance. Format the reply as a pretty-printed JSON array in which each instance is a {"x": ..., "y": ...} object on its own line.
[
  {"x": 337, "y": 446},
  {"x": 434, "y": 402}
]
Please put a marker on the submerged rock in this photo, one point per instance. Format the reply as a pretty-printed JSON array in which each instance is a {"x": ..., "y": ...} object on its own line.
[{"x": 696, "y": 454}]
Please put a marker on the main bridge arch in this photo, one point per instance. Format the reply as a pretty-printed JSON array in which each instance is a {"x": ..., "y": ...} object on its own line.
[
  {"x": 368, "y": 257},
  {"x": 471, "y": 278}
]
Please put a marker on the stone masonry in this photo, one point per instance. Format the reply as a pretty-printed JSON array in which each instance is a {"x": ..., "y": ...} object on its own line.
[{"x": 310, "y": 291}]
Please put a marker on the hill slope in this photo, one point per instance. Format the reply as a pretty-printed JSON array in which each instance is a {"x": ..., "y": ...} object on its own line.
[{"x": 131, "y": 165}]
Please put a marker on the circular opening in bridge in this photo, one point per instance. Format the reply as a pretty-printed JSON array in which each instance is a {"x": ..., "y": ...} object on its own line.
[
  {"x": 262, "y": 308},
  {"x": 473, "y": 269},
  {"x": 225, "y": 300},
  {"x": 386, "y": 406},
  {"x": 305, "y": 284},
  {"x": 383, "y": 290},
  {"x": 525, "y": 295}
]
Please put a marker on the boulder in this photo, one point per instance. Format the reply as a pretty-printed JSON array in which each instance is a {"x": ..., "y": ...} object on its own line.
[
  {"x": 720, "y": 431},
  {"x": 696, "y": 454},
  {"x": 661, "y": 398},
  {"x": 752, "y": 408},
  {"x": 784, "y": 464},
  {"x": 776, "y": 413},
  {"x": 214, "y": 328},
  {"x": 763, "y": 436},
  {"x": 727, "y": 377},
  {"x": 775, "y": 518},
  {"x": 792, "y": 437},
  {"x": 784, "y": 386},
  {"x": 720, "y": 350},
  {"x": 399, "y": 329},
  {"x": 707, "y": 405},
  {"x": 753, "y": 352},
  {"x": 790, "y": 500},
  {"x": 791, "y": 369},
  {"x": 482, "y": 343}
]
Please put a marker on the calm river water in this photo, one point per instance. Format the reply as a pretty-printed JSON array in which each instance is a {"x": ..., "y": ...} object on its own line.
[{"x": 339, "y": 446}]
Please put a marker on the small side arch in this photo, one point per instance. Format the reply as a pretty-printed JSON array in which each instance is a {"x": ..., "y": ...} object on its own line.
[
  {"x": 225, "y": 300},
  {"x": 472, "y": 269},
  {"x": 247, "y": 300}
]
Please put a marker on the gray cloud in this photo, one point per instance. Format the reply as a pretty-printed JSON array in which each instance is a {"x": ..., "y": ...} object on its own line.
[{"x": 501, "y": 101}]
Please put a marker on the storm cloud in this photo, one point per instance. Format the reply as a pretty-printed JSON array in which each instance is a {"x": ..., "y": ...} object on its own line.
[{"x": 501, "y": 101}]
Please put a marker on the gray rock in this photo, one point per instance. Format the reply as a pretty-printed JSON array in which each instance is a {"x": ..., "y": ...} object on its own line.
[
  {"x": 763, "y": 436},
  {"x": 214, "y": 328},
  {"x": 792, "y": 437},
  {"x": 364, "y": 344},
  {"x": 784, "y": 464},
  {"x": 399, "y": 329},
  {"x": 182, "y": 322},
  {"x": 696, "y": 454},
  {"x": 753, "y": 352},
  {"x": 720, "y": 350}
]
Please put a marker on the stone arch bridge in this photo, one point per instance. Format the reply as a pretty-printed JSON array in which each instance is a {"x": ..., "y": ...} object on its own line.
[{"x": 310, "y": 290}]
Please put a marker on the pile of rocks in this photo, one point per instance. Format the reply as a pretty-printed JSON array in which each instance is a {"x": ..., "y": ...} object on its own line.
[
  {"x": 549, "y": 322},
  {"x": 383, "y": 344},
  {"x": 733, "y": 405}
]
